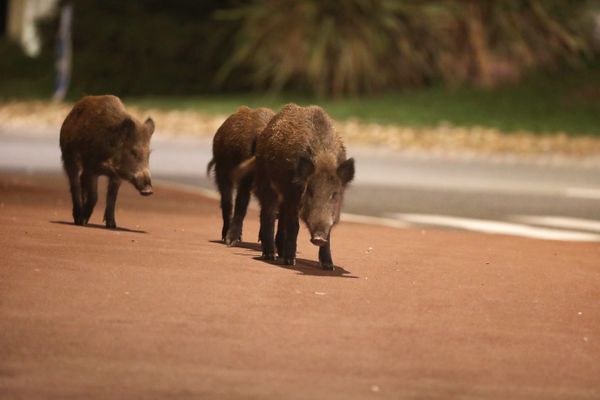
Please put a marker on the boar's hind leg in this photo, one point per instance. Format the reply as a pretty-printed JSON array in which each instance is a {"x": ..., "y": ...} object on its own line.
[
  {"x": 234, "y": 233},
  {"x": 225, "y": 189},
  {"x": 325, "y": 255},
  {"x": 268, "y": 208},
  {"x": 111, "y": 200},
  {"x": 89, "y": 186},
  {"x": 73, "y": 171}
]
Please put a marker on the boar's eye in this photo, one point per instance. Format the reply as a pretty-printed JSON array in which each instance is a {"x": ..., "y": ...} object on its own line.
[
  {"x": 135, "y": 154},
  {"x": 309, "y": 191}
]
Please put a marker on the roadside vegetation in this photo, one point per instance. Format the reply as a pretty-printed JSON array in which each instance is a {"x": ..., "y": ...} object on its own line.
[
  {"x": 393, "y": 72},
  {"x": 552, "y": 103}
]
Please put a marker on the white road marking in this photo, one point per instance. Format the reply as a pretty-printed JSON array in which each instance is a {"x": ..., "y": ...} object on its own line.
[
  {"x": 497, "y": 227},
  {"x": 559, "y": 222},
  {"x": 583, "y": 193},
  {"x": 486, "y": 226}
]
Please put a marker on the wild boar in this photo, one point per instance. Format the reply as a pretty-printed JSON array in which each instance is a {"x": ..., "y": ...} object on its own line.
[
  {"x": 233, "y": 144},
  {"x": 302, "y": 171},
  {"x": 99, "y": 137}
]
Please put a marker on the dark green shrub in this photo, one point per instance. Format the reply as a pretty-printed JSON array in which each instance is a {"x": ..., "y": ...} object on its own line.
[
  {"x": 144, "y": 47},
  {"x": 23, "y": 76}
]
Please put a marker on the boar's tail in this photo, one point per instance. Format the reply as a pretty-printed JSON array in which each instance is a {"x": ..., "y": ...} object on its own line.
[
  {"x": 210, "y": 166},
  {"x": 246, "y": 167}
]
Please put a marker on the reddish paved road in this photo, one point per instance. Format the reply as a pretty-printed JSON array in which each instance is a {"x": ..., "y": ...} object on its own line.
[{"x": 168, "y": 313}]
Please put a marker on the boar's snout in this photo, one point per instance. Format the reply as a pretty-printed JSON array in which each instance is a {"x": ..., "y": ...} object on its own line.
[
  {"x": 143, "y": 183},
  {"x": 319, "y": 239},
  {"x": 319, "y": 230}
]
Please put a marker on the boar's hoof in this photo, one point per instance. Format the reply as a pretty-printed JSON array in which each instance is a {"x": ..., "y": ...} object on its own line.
[
  {"x": 111, "y": 224},
  {"x": 268, "y": 257},
  {"x": 233, "y": 239},
  {"x": 77, "y": 220},
  {"x": 232, "y": 242},
  {"x": 289, "y": 261},
  {"x": 327, "y": 266}
]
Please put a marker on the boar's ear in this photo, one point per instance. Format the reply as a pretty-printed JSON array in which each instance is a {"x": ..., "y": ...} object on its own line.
[
  {"x": 346, "y": 171},
  {"x": 304, "y": 169},
  {"x": 149, "y": 126}
]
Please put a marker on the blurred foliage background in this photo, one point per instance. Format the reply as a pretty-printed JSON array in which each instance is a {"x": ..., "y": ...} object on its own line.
[
  {"x": 438, "y": 57},
  {"x": 328, "y": 48},
  {"x": 371, "y": 45}
]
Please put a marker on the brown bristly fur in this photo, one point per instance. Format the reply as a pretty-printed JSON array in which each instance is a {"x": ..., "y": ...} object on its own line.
[
  {"x": 233, "y": 147},
  {"x": 301, "y": 172},
  {"x": 99, "y": 137}
]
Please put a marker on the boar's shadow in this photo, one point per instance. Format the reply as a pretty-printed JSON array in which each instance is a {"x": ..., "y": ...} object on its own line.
[
  {"x": 99, "y": 226},
  {"x": 303, "y": 266},
  {"x": 242, "y": 245},
  {"x": 310, "y": 267}
]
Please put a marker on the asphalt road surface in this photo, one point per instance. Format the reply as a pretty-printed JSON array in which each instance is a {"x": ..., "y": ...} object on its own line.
[
  {"x": 552, "y": 199},
  {"x": 161, "y": 310}
]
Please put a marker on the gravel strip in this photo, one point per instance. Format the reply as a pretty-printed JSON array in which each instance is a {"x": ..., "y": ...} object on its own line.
[{"x": 442, "y": 139}]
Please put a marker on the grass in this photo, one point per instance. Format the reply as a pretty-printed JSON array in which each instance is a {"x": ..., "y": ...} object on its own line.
[{"x": 569, "y": 103}]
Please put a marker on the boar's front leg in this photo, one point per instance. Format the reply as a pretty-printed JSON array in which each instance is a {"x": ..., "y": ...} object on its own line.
[
  {"x": 325, "y": 255},
  {"x": 234, "y": 233},
  {"x": 111, "y": 200},
  {"x": 89, "y": 186},
  {"x": 292, "y": 226},
  {"x": 267, "y": 227},
  {"x": 73, "y": 172},
  {"x": 280, "y": 235}
]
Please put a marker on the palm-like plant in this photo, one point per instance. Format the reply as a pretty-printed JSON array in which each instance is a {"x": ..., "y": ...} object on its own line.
[{"x": 358, "y": 46}]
